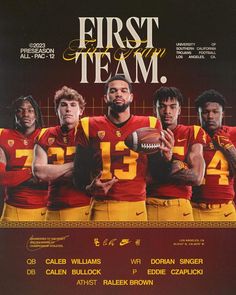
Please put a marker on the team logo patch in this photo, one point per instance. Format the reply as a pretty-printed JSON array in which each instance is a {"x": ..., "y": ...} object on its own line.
[
  {"x": 101, "y": 134},
  {"x": 51, "y": 140},
  {"x": 11, "y": 142},
  {"x": 26, "y": 142},
  {"x": 65, "y": 139},
  {"x": 118, "y": 133}
]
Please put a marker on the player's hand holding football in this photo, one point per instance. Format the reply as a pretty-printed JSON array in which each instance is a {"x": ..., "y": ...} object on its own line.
[
  {"x": 221, "y": 139},
  {"x": 97, "y": 186},
  {"x": 168, "y": 142}
]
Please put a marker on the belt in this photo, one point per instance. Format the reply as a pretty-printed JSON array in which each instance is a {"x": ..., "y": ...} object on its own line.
[
  {"x": 210, "y": 206},
  {"x": 167, "y": 198},
  {"x": 166, "y": 202},
  {"x": 109, "y": 201}
]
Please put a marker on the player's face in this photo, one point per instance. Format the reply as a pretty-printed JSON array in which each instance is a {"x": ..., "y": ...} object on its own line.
[
  {"x": 211, "y": 115},
  {"x": 118, "y": 96},
  {"x": 69, "y": 112},
  {"x": 168, "y": 111},
  {"x": 25, "y": 115}
]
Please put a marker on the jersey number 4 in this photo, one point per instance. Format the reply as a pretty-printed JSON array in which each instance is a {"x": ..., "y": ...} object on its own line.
[{"x": 223, "y": 168}]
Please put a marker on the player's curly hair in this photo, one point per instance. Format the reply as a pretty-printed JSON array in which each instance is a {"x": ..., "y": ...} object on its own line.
[
  {"x": 19, "y": 101},
  {"x": 69, "y": 94},
  {"x": 163, "y": 93},
  {"x": 115, "y": 78},
  {"x": 210, "y": 95}
]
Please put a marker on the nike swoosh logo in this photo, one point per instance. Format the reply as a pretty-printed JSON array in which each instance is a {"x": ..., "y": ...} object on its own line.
[
  {"x": 43, "y": 213},
  {"x": 186, "y": 214},
  {"x": 227, "y": 214},
  {"x": 139, "y": 213},
  {"x": 180, "y": 140}
]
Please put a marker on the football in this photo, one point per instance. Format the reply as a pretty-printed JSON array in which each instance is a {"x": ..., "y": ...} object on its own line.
[{"x": 144, "y": 140}]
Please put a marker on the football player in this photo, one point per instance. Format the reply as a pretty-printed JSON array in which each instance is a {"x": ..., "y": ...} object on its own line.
[
  {"x": 119, "y": 190},
  {"x": 213, "y": 200},
  {"x": 53, "y": 162},
  {"x": 170, "y": 190},
  {"x": 25, "y": 199}
]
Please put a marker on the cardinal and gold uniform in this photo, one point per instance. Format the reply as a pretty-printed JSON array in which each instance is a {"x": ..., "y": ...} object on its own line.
[
  {"x": 65, "y": 202},
  {"x": 125, "y": 200},
  {"x": 168, "y": 200},
  {"x": 25, "y": 200},
  {"x": 213, "y": 200}
]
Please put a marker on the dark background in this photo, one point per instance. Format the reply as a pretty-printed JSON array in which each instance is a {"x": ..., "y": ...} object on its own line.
[{"x": 56, "y": 23}]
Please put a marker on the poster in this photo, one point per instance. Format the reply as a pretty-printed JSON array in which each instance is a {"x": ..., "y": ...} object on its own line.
[{"x": 194, "y": 45}]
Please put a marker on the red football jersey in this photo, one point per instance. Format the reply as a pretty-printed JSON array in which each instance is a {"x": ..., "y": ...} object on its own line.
[
  {"x": 185, "y": 136},
  {"x": 218, "y": 184},
  {"x": 60, "y": 149},
  {"x": 18, "y": 149},
  {"x": 115, "y": 158}
]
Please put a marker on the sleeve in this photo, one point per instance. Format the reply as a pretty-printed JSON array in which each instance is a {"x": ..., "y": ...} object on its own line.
[
  {"x": 155, "y": 123},
  {"x": 40, "y": 139},
  {"x": 198, "y": 136},
  {"x": 233, "y": 135},
  {"x": 13, "y": 178}
]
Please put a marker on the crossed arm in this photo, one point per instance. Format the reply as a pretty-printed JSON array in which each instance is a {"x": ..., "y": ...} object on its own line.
[
  {"x": 230, "y": 155},
  {"x": 48, "y": 172},
  {"x": 222, "y": 142},
  {"x": 83, "y": 178},
  {"x": 193, "y": 172}
]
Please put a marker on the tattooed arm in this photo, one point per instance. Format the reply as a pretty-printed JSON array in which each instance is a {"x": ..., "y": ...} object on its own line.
[
  {"x": 192, "y": 172},
  {"x": 230, "y": 155},
  {"x": 223, "y": 143}
]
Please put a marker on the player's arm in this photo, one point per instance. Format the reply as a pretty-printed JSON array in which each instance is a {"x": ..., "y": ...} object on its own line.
[
  {"x": 168, "y": 142},
  {"x": 100, "y": 187},
  {"x": 191, "y": 173},
  {"x": 12, "y": 178},
  {"x": 222, "y": 142},
  {"x": 167, "y": 139},
  {"x": 48, "y": 172},
  {"x": 230, "y": 154},
  {"x": 83, "y": 178}
]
